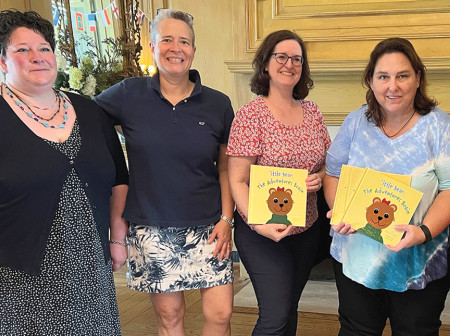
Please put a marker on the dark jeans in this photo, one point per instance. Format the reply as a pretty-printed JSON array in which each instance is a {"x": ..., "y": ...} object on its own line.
[
  {"x": 278, "y": 272},
  {"x": 364, "y": 311}
]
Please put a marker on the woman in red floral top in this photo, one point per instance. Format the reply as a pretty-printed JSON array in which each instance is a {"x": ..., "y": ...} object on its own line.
[{"x": 278, "y": 128}]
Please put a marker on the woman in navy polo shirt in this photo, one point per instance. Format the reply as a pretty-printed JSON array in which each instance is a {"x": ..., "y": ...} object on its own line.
[{"x": 179, "y": 203}]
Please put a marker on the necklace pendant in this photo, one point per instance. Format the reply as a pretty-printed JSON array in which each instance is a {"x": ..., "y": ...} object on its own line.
[{"x": 63, "y": 125}]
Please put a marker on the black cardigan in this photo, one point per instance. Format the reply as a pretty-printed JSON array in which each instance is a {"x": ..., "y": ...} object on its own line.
[{"x": 32, "y": 174}]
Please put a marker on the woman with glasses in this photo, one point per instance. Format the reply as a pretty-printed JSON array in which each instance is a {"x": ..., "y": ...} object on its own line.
[
  {"x": 179, "y": 203},
  {"x": 278, "y": 128}
]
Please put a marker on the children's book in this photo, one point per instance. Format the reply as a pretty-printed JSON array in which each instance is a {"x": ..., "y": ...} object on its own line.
[
  {"x": 277, "y": 195},
  {"x": 376, "y": 201},
  {"x": 349, "y": 181}
]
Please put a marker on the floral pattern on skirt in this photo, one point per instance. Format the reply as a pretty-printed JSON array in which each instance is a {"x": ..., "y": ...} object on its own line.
[{"x": 174, "y": 259}]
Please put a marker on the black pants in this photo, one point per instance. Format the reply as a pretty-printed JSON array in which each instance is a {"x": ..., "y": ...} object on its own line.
[
  {"x": 278, "y": 272},
  {"x": 364, "y": 311}
]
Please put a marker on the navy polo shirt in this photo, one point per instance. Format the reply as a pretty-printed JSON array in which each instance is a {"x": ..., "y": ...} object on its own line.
[{"x": 172, "y": 150}]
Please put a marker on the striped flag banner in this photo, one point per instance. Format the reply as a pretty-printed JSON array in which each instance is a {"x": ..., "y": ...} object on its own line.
[
  {"x": 105, "y": 18},
  {"x": 91, "y": 20}
]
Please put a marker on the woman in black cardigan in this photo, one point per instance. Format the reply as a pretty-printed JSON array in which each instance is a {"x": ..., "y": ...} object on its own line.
[{"x": 61, "y": 166}]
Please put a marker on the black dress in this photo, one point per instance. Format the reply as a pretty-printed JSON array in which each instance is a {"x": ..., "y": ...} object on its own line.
[{"x": 74, "y": 293}]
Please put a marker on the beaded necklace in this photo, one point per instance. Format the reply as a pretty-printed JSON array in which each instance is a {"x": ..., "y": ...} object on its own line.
[
  {"x": 36, "y": 117},
  {"x": 57, "y": 100},
  {"x": 11, "y": 92}
]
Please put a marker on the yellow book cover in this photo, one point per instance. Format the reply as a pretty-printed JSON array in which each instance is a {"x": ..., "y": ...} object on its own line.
[
  {"x": 349, "y": 181},
  {"x": 277, "y": 195},
  {"x": 379, "y": 202}
]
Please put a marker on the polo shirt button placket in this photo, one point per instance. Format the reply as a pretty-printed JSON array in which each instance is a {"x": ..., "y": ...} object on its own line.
[{"x": 174, "y": 115}]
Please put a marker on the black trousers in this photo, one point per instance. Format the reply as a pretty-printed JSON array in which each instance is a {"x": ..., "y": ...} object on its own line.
[
  {"x": 279, "y": 272},
  {"x": 364, "y": 311}
]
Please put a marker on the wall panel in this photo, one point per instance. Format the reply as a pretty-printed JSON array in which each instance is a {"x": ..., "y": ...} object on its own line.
[
  {"x": 18, "y": 4},
  {"x": 340, "y": 35}
]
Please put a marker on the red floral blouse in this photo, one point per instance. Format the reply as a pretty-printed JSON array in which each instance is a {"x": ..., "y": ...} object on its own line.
[{"x": 255, "y": 132}]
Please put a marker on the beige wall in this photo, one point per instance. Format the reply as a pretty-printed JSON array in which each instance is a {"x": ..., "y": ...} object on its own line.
[
  {"x": 43, "y": 7},
  {"x": 18, "y": 4}
]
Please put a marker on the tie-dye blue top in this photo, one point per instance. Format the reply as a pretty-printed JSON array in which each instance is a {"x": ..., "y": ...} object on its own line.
[{"x": 422, "y": 152}]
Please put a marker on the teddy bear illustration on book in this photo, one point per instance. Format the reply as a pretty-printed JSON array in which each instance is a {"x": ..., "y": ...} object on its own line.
[
  {"x": 379, "y": 215},
  {"x": 280, "y": 203}
]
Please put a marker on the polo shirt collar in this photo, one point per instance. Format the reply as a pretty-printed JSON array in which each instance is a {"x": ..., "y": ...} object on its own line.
[{"x": 194, "y": 76}]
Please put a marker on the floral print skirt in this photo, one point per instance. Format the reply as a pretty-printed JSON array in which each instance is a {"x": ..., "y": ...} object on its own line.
[{"x": 163, "y": 260}]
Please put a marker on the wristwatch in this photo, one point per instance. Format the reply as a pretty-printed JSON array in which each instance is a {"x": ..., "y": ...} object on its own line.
[{"x": 426, "y": 232}]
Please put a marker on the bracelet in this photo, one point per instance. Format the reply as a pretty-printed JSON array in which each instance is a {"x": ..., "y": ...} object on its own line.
[
  {"x": 426, "y": 232},
  {"x": 118, "y": 243},
  {"x": 226, "y": 219}
]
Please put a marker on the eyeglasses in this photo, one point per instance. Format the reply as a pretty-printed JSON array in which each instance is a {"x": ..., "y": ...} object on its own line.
[
  {"x": 163, "y": 9},
  {"x": 283, "y": 59}
]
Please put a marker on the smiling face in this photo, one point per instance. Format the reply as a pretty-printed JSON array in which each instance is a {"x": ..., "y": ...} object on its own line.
[
  {"x": 394, "y": 83},
  {"x": 380, "y": 214},
  {"x": 280, "y": 201},
  {"x": 173, "y": 49},
  {"x": 285, "y": 75},
  {"x": 29, "y": 63}
]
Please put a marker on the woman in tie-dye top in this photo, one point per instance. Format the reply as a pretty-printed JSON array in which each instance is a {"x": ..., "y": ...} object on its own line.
[{"x": 400, "y": 130}]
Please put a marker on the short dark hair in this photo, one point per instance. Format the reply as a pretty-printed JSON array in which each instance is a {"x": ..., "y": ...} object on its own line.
[
  {"x": 260, "y": 81},
  {"x": 11, "y": 19},
  {"x": 422, "y": 103}
]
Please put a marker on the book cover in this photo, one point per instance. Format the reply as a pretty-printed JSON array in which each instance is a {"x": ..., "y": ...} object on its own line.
[
  {"x": 349, "y": 181},
  {"x": 277, "y": 195},
  {"x": 379, "y": 202}
]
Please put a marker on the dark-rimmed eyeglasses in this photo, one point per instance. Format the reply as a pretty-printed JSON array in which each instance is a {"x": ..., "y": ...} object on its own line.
[
  {"x": 163, "y": 9},
  {"x": 282, "y": 58}
]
